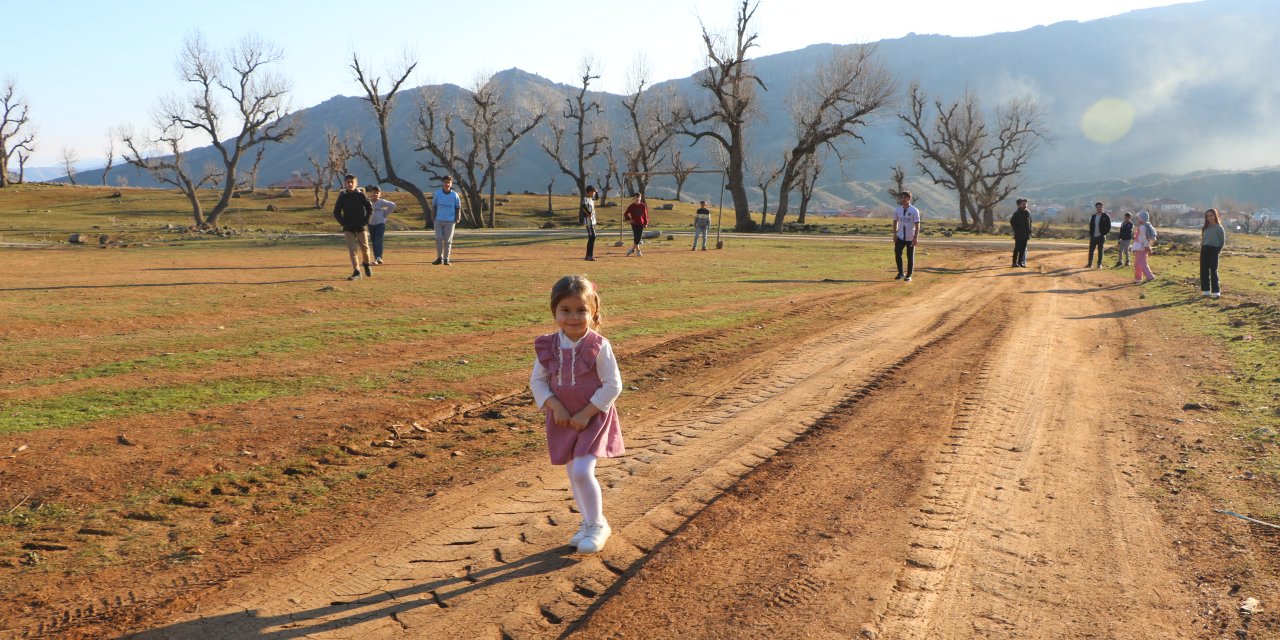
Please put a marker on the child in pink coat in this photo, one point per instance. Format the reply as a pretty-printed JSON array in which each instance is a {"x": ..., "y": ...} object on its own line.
[{"x": 576, "y": 380}]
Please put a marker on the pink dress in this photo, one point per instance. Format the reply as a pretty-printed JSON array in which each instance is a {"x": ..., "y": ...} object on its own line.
[{"x": 573, "y": 384}]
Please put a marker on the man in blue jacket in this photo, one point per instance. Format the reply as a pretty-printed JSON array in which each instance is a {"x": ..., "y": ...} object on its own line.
[{"x": 445, "y": 204}]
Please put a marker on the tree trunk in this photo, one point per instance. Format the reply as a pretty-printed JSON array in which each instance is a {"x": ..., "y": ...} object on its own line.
[
  {"x": 738, "y": 192},
  {"x": 784, "y": 195},
  {"x": 804, "y": 207},
  {"x": 493, "y": 216},
  {"x": 228, "y": 188},
  {"x": 679, "y": 187},
  {"x": 197, "y": 213}
]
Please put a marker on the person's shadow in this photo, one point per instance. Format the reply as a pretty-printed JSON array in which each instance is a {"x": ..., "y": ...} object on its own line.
[{"x": 346, "y": 613}]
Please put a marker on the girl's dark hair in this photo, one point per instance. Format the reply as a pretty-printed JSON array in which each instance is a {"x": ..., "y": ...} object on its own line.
[
  {"x": 1217, "y": 219},
  {"x": 578, "y": 287}
]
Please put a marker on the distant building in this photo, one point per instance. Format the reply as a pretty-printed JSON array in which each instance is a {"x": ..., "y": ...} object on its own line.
[
  {"x": 1165, "y": 205},
  {"x": 296, "y": 181}
]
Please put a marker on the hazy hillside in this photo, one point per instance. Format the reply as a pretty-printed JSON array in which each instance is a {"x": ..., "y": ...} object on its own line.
[{"x": 1191, "y": 75}]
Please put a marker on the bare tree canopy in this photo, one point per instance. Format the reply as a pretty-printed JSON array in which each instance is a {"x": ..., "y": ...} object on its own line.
[
  {"x": 111, "y": 157},
  {"x": 731, "y": 106},
  {"x": 581, "y": 116},
  {"x": 382, "y": 105},
  {"x": 325, "y": 172},
  {"x": 235, "y": 101},
  {"x": 840, "y": 98},
  {"x": 69, "y": 159},
  {"x": 471, "y": 138},
  {"x": 956, "y": 149},
  {"x": 649, "y": 133},
  {"x": 162, "y": 157},
  {"x": 16, "y": 135}
]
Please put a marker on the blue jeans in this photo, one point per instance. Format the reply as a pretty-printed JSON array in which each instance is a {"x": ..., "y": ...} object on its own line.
[
  {"x": 376, "y": 232},
  {"x": 700, "y": 232}
]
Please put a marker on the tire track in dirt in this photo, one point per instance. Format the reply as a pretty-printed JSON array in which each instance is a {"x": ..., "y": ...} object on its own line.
[
  {"x": 1028, "y": 526},
  {"x": 500, "y": 547}
]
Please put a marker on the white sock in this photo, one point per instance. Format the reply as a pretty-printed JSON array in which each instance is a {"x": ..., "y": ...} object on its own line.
[{"x": 586, "y": 490}]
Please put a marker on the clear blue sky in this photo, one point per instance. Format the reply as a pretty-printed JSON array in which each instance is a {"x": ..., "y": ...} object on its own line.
[{"x": 86, "y": 66}]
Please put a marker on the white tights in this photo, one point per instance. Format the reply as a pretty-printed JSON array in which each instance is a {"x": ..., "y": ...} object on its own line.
[{"x": 586, "y": 490}]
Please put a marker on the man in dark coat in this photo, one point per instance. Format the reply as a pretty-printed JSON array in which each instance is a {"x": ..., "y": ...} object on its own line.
[
  {"x": 1021, "y": 223},
  {"x": 1099, "y": 227}
]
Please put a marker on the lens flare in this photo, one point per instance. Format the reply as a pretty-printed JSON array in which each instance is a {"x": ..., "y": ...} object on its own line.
[{"x": 1107, "y": 121}]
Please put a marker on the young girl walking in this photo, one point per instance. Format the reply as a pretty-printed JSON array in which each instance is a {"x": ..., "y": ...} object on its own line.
[
  {"x": 575, "y": 381},
  {"x": 1144, "y": 237}
]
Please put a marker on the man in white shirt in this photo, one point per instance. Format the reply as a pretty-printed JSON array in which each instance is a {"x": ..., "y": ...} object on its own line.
[{"x": 906, "y": 233}]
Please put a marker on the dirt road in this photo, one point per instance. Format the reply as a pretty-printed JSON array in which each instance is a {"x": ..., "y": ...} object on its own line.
[{"x": 952, "y": 466}]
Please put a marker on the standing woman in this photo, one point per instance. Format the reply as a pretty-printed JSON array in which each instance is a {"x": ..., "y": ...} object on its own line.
[
  {"x": 589, "y": 219},
  {"x": 637, "y": 214},
  {"x": 1144, "y": 237},
  {"x": 1212, "y": 238}
]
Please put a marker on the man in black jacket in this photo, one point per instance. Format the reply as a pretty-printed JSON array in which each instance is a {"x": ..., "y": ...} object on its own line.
[
  {"x": 1021, "y": 223},
  {"x": 1099, "y": 227},
  {"x": 1126, "y": 237},
  {"x": 352, "y": 210}
]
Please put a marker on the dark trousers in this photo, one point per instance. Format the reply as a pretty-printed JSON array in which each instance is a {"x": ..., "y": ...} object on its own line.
[
  {"x": 898, "y": 245},
  {"x": 1209, "y": 268},
  {"x": 1095, "y": 241},
  {"x": 591, "y": 240},
  {"x": 1020, "y": 250},
  {"x": 636, "y": 233},
  {"x": 376, "y": 231}
]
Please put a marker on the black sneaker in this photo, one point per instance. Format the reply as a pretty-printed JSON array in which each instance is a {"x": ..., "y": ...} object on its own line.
[
  {"x": 438, "y": 261},
  {"x": 447, "y": 263},
  {"x": 368, "y": 273},
  {"x": 898, "y": 277},
  {"x": 355, "y": 275}
]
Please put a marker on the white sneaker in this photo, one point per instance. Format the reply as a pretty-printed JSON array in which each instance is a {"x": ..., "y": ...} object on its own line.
[
  {"x": 577, "y": 537},
  {"x": 1217, "y": 295},
  {"x": 630, "y": 251},
  {"x": 597, "y": 534},
  {"x": 1204, "y": 293},
  {"x": 639, "y": 253}
]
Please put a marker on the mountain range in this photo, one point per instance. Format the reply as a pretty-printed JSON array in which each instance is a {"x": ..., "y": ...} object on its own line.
[{"x": 1197, "y": 81}]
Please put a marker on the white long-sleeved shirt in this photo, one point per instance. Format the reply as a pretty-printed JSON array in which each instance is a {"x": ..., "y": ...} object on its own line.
[
  {"x": 381, "y": 209},
  {"x": 606, "y": 368}
]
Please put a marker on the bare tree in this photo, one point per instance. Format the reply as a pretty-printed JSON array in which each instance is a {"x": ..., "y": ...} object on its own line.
[
  {"x": 249, "y": 179},
  {"x": 840, "y": 98},
  {"x": 807, "y": 182},
  {"x": 15, "y": 130},
  {"x": 69, "y": 159},
  {"x": 899, "y": 178},
  {"x": 955, "y": 148},
  {"x": 680, "y": 169},
  {"x": 765, "y": 175},
  {"x": 944, "y": 143},
  {"x": 22, "y": 164},
  {"x": 1020, "y": 130},
  {"x": 648, "y": 134},
  {"x": 111, "y": 158},
  {"x": 580, "y": 117},
  {"x": 385, "y": 171},
  {"x": 613, "y": 174},
  {"x": 258, "y": 112},
  {"x": 472, "y": 140},
  {"x": 167, "y": 166},
  {"x": 326, "y": 171},
  {"x": 732, "y": 105}
]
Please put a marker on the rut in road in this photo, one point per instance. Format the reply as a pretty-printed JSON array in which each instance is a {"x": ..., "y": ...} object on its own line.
[
  {"x": 987, "y": 492},
  {"x": 490, "y": 561}
]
